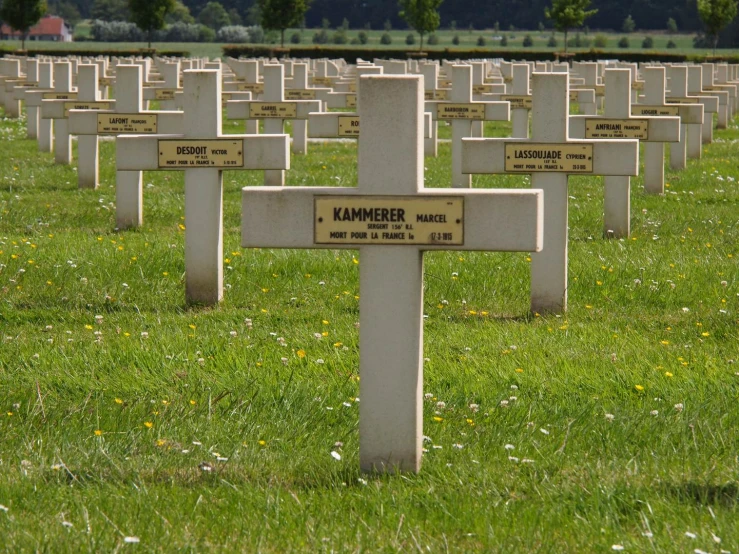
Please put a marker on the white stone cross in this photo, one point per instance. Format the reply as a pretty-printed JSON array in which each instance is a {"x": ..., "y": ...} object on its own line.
[
  {"x": 695, "y": 88},
  {"x": 21, "y": 89},
  {"x": 679, "y": 95},
  {"x": 618, "y": 123},
  {"x": 463, "y": 113},
  {"x": 128, "y": 118},
  {"x": 203, "y": 152},
  {"x": 34, "y": 98},
  {"x": 727, "y": 101},
  {"x": 550, "y": 156},
  {"x": 654, "y": 105},
  {"x": 392, "y": 219},
  {"x": 273, "y": 111},
  {"x": 722, "y": 78}
]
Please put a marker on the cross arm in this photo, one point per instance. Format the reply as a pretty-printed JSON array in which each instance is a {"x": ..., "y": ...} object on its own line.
[
  {"x": 85, "y": 122},
  {"x": 326, "y": 124},
  {"x": 54, "y": 109},
  {"x": 141, "y": 152},
  {"x": 610, "y": 157},
  {"x": 500, "y": 219},
  {"x": 494, "y": 111},
  {"x": 239, "y": 109},
  {"x": 660, "y": 129}
]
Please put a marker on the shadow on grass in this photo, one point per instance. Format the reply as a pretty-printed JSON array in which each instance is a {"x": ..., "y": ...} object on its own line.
[{"x": 725, "y": 495}]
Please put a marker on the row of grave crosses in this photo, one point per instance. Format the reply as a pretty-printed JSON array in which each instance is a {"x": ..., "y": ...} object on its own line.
[
  {"x": 391, "y": 217},
  {"x": 654, "y": 123}
]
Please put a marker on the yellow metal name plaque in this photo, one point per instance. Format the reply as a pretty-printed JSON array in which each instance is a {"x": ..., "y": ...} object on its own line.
[
  {"x": 461, "y": 111},
  {"x": 601, "y": 128},
  {"x": 192, "y": 153},
  {"x": 389, "y": 220},
  {"x": 323, "y": 81},
  {"x": 348, "y": 126},
  {"x": 482, "y": 89},
  {"x": 351, "y": 100},
  {"x": 637, "y": 109},
  {"x": 80, "y": 105},
  {"x": 438, "y": 94},
  {"x": 300, "y": 94},
  {"x": 263, "y": 110},
  {"x": 59, "y": 96},
  {"x": 256, "y": 88},
  {"x": 126, "y": 123},
  {"x": 526, "y": 157},
  {"x": 164, "y": 94},
  {"x": 681, "y": 100},
  {"x": 518, "y": 102}
]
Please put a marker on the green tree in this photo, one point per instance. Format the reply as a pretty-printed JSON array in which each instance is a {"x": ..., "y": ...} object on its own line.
[
  {"x": 67, "y": 11},
  {"x": 109, "y": 10},
  {"x": 628, "y": 25},
  {"x": 567, "y": 14},
  {"x": 421, "y": 15},
  {"x": 214, "y": 15},
  {"x": 21, "y": 15},
  {"x": 278, "y": 15},
  {"x": 671, "y": 26},
  {"x": 716, "y": 14},
  {"x": 179, "y": 14},
  {"x": 149, "y": 15}
]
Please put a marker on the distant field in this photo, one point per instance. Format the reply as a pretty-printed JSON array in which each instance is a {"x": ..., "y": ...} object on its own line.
[{"x": 466, "y": 39}]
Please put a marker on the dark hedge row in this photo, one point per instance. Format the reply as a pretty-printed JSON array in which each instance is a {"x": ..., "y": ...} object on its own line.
[{"x": 352, "y": 54}]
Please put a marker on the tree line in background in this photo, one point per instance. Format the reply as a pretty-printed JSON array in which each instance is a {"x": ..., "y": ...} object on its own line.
[{"x": 240, "y": 20}]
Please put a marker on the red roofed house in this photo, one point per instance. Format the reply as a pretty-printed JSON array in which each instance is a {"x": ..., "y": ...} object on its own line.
[{"x": 49, "y": 27}]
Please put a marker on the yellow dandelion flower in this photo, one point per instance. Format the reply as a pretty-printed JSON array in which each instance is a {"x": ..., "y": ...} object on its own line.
[
  {"x": 262, "y": 443},
  {"x": 705, "y": 334},
  {"x": 192, "y": 402},
  {"x": 354, "y": 260},
  {"x": 338, "y": 344},
  {"x": 191, "y": 326},
  {"x": 148, "y": 424},
  {"x": 301, "y": 353},
  {"x": 98, "y": 432},
  {"x": 324, "y": 334},
  {"x": 118, "y": 401},
  {"x": 165, "y": 273},
  {"x": 88, "y": 326},
  {"x": 664, "y": 342},
  {"x": 324, "y": 321},
  {"x": 437, "y": 418},
  {"x": 161, "y": 442},
  {"x": 668, "y": 374},
  {"x": 519, "y": 370},
  {"x": 639, "y": 388}
]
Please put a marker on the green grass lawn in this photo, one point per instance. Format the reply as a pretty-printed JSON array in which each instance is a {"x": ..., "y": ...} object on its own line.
[{"x": 126, "y": 415}]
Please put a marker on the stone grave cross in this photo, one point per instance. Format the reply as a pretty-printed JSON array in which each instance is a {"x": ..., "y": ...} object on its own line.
[
  {"x": 654, "y": 105},
  {"x": 392, "y": 219},
  {"x": 203, "y": 152},
  {"x": 618, "y": 123},
  {"x": 679, "y": 95},
  {"x": 273, "y": 111},
  {"x": 463, "y": 113},
  {"x": 550, "y": 156},
  {"x": 128, "y": 118}
]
